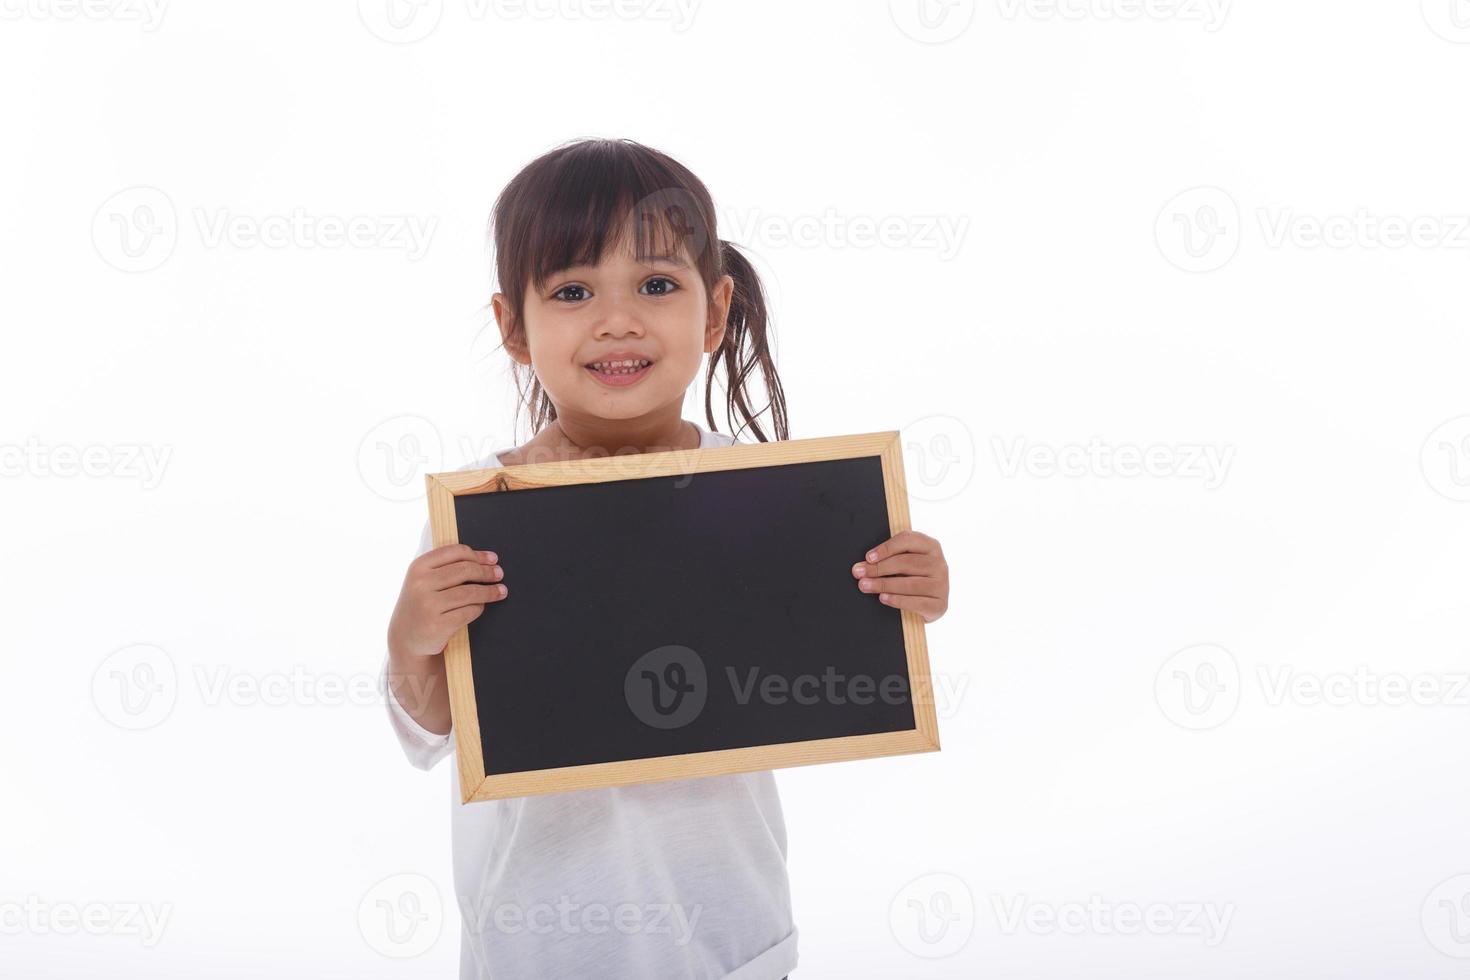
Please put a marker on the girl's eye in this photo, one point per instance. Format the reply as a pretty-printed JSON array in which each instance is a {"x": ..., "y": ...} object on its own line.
[
  {"x": 570, "y": 299},
  {"x": 573, "y": 293},
  {"x": 669, "y": 286}
]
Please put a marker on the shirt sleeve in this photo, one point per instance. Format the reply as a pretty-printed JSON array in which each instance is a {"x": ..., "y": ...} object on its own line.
[{"x": 423, "y": 748}]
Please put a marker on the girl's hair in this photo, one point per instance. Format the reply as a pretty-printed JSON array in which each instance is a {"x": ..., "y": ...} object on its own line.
[{"x": 568, "y": 205}]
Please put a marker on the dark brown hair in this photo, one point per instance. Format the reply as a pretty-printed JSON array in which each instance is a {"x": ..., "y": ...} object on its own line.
[{"x": 568, "y": 205}]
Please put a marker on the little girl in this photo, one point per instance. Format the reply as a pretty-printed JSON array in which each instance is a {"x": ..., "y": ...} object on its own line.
[{"x": 615, "y": 287}]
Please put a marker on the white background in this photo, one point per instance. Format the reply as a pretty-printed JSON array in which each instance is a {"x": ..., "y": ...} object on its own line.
[{"x": 1091, "y": 294}]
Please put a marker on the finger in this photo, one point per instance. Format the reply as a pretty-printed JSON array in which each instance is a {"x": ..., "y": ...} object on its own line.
[
  {"x": 902, "y": 585},
  {"x": 903, "y": 541},
  {"x": 450, "y": 553},
  {"x": 464, "y": 595},
  {"x": 460, "y": 572},
  {"x": 904, "y": 564},
  {"x": 926, "y": 606}
]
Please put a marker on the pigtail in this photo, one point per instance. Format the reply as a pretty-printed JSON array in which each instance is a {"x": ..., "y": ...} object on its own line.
[{"x": 746, "y": 346}]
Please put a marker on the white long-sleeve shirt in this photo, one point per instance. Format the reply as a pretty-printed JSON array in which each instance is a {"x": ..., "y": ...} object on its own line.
[{"x": 678, "y": 879}]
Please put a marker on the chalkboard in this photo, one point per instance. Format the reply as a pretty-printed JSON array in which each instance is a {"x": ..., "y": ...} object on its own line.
[{"x": 681, "y": 614}]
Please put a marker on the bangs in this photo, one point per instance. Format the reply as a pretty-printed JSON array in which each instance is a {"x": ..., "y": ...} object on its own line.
[{"x": 598, "y": 198}]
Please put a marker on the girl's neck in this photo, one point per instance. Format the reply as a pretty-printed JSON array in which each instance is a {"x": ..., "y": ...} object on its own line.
[{"x": 578, "y": 439}]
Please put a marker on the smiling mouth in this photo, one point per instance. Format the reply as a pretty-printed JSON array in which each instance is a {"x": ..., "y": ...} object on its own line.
[{"x": 620, "y": 373}]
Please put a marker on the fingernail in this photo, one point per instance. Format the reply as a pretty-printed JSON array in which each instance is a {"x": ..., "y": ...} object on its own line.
[
  {"x": 489, "y": 556},
  {"x": 502, "y": 592},
  {"x": 866, "y": 585},
  {"x": 872, "y": 556},
  {"x": 858, "y": 569},
  {"x": 883, "y": 596}
]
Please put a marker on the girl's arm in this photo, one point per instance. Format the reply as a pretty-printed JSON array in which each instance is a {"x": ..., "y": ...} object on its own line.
[{"x": 420, "y": 685}]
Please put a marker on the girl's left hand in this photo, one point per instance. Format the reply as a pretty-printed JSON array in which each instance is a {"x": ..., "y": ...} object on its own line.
[{"x": 908, "y": 571}]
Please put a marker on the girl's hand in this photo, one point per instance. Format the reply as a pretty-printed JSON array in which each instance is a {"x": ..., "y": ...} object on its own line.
[
  {"x": 908, "y": 571},
  {"x": 443, "y": 590}
]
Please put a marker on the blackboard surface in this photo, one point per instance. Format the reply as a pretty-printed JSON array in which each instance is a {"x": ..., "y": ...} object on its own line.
[{"x": 622, "y": 593}]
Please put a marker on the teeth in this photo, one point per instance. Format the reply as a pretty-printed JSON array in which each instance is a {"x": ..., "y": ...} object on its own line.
[{"x": 628, "y": 366}]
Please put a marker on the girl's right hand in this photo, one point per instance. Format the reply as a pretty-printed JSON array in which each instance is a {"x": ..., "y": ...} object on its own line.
[{"x": 444, "y": 589}]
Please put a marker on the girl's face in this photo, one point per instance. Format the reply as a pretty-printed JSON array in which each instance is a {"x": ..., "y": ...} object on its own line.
[{"x": 654, "y": 312}]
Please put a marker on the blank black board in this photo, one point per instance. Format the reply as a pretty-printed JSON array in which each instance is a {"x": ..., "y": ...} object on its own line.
[{"x": 748, "y": 568}]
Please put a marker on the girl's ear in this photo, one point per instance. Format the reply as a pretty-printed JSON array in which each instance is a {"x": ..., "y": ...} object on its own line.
[
  {"x": 511, "y": 339},
  {"x": 719, "y": 311}
]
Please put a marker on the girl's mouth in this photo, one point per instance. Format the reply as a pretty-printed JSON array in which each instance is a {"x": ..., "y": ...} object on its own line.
[{"x": 620, "y": 374}]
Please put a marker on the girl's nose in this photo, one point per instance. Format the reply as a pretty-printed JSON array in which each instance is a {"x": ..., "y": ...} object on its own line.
[{"x": 618, "y": 320}]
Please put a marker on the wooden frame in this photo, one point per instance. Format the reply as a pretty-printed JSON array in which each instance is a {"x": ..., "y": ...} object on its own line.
[{"x": 475, "y": 785}]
